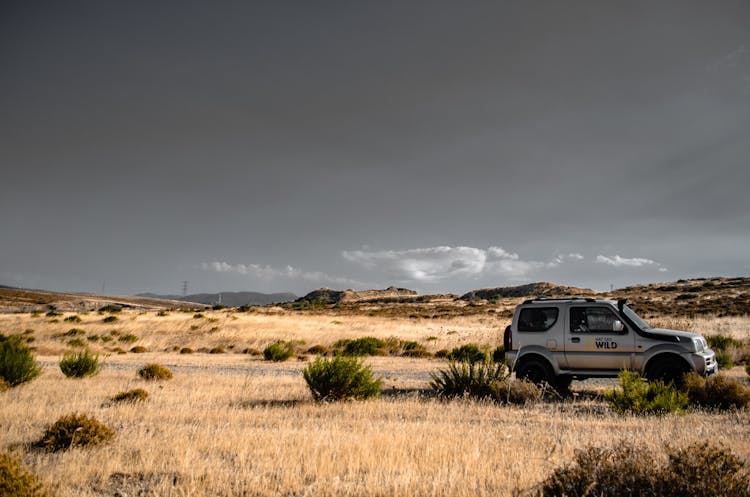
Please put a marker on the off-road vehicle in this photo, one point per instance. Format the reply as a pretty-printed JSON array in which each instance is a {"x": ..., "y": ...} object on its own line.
[{"x": 560, "y": 340}]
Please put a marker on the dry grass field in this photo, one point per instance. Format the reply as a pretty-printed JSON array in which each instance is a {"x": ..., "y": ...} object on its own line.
[{"x": 232, "y": 424}]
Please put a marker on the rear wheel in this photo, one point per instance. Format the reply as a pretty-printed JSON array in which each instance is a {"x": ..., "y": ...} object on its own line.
[
  {"x": 536, "y": 371},
  {"x": 669, "y": 370}
]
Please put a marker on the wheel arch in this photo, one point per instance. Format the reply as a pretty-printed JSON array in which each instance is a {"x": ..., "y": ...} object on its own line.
[{"x": 661, "y": 356}]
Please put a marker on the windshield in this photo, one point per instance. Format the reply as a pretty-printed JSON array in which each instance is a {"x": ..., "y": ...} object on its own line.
[{"x": 630, "y": 313}]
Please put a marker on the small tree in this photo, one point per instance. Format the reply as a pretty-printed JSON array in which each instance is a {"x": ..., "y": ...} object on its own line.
[
  {"x": 341, "y": 378},
  {"x": 80, "y": 364},
  {"x": 17, "y": 363}
]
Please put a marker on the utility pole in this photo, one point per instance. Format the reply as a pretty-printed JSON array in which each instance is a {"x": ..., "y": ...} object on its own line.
[{"x": 184, "y": 288}]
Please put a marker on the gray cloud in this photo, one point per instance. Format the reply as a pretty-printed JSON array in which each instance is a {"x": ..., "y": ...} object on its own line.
[{"x": 269, "y": 273}]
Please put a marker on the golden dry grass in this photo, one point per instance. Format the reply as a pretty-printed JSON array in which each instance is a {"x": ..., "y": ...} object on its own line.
[{"x": 229, "y": 424}]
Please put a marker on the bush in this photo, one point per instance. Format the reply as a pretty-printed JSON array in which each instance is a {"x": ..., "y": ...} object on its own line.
[
  {"x": 278, "y": 351},
  {"x": 516, "y": 392},
  {"x": 72, "y": 319},
  {"x": 113, "y": 308},
  {"x": 698, "y": 470},
  {"x": 365, "y": 346},
  {"x": 341, "y": 378},
  {"x": 75, "y": 332},
  {"x": 198, "y": 315},
  {"x": 318, "y": 350},
  {"x": 724, "y": 360},
  {"x": 17, "y": 363},
  {"x": 16, "y": 480},
  {"x": 53, "y": 313},
  {"x": 110, "y": 319},
  {"x": 74, "y": 430},
  {"x": 721, "y": 343},
  {"x": 76, "y": 342},
  {"x": 186, "y": 350},
  {"x": 469, "y": 352},
  {"x": 468, "y": 379},
  {"x": 154, "y": 372},
  {"x": 498, "y": 355},
  {"x": 162, "y": 313},
  {"x": 639, "y": 397},
  {"x": 252, "y": 351},
  {"x": 138, "y": 349},
  {"x": 129, "y": 338},
  {"x": 80, "y": 364},
  {"x": 716, "y": 392},
  {"x": 217, "y": 350},
  {"x": 134, "y": 395}
]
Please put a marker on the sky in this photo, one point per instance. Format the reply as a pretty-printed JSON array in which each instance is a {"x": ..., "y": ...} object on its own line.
[{"x": 433, "y": 145}]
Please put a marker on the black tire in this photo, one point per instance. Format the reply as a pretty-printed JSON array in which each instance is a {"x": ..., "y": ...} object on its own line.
[
  {"x": 536, "y": 371},
  {"x": 669, "y": 370}
]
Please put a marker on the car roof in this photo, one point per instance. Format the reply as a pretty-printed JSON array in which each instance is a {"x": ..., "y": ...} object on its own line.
[{"x": 568, "y": 300}]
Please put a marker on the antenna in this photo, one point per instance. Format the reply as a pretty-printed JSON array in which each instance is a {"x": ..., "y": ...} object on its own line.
[{"x": 184, "y": 288}]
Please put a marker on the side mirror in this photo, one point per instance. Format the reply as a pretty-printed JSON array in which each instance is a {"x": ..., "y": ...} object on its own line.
[{"x": 617, "y": 326}]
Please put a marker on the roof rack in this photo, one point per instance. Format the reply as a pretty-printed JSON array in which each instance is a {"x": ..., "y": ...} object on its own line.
[{"x": 548, "y": 299}]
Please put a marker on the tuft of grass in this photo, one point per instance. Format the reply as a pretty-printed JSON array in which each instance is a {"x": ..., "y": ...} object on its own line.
[
  {"x": 162, "y": 313},
  {"x": 75, "y": 332},
  {"x": 716, "y": 392},
  {"x": 725, "y": 360},
  {"x": 72, "y": 319},
  {"x": 637, "y": 396},
  {"x": 17, "y": 362},
  {"x": 74, "y": 430},
  {"x": 721, "y": 343},
  {"x": 76, "y": 342},
  {"x": 252, "y": 351},
  {"x": 217, "y": 350},
  {"x": 468, "y": 379},
  {"x": 364, "y": 346},
  {"x": 16, "y": 480},
  {"x": 155, "y": 372},
  {"x": 319, "y": 350},
  {"x": 521, "y": 392},
  {"x": 138, "y": 349},
  {"x": 134, "y": 395},
  {"x": 341, "y": 378},
  {"x": 469, "y": 352},
  {"x": 53, "y": 313},
  {"x": 80, "y": 364},
  {"x": 129, "y": 338},
  {"x": 198, "y": 315},
  {"x": 278, "y": 351},
  {"x": 110, "y": 319},
  {"x": 186, "y": 350},
  {"x": 498, "y": 355}
]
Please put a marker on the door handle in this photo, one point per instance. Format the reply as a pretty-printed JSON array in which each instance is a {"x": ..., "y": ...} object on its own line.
[{"x": 575, "y": 340}]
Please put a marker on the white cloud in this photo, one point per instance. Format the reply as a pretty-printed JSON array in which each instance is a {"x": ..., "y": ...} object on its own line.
[
  {"x": 438, "y": 263},
  {"x": 618, "y": 261},
  {"x": 266, "y": 272}
]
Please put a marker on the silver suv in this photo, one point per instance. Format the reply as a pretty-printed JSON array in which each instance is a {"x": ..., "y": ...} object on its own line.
[{"x": 560, "y": 340}]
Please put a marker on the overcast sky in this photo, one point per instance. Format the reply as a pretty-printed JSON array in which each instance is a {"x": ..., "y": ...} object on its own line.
[{"x": 441, "y": 146}]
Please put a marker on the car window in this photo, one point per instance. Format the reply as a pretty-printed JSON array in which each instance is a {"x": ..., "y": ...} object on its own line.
[
  {"x": 537, "y": 318},
  {"x": 592, "y": 320}
]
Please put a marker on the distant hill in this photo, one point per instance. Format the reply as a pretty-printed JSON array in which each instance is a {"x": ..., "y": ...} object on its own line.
[
  {"x": 229, "y": 299},
  {"x": 540, "y": 289},
  {"x": 328, "y": 296}
]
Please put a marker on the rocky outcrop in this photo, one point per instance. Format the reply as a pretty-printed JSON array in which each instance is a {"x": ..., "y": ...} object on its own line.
[
  {"x": 540, "y": 289},
  {"x": 328, "y": 296}
]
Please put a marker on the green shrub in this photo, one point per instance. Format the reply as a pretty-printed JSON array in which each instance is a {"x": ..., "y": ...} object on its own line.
[
  {"x": 80, "y": 364},
  {"x": 186, "y": 350},
  {"x": 110, "y": 319},
  {"x": 724, "y": 360},
  {"x": 17, "y": 363},
  {"x": 129, "y": 338},
  {"x": 469, "y": 352},
  {"x": 278, "y": 351},
  {"x": 498, "y": 355},
  {"x": 93, "y": 338},
  {"x": 138, "y": 349},
  {"x": 721, "y": 343},
  {"x": 341, "y": 378},
  {"x": 639, "y": 397},
  {"x": 716, "y": 392},
  {"x": 134, "y": 395},
  {"x": 76, "y": 342},
  {"x": 72, "y": 319},
  {"x": 154, "y": 372},
  {"x": 698, "y": 470},
  {"x": 468, "y": 379},
  {"x": 74, "y": 430},
  {"x": 16, "y": 480},
  {"x": 364, "y": 346}
]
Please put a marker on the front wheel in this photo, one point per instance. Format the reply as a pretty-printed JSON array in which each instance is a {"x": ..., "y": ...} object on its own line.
[
  {"x": 536, "y": 371},
  {"x": 668, "y": 370}
]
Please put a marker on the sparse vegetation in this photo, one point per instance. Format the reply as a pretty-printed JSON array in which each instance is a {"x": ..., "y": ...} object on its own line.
[
  {"x": 724, "y": 360},
  {"x": 111, "y": 308},
  {"x": 186, "y": 350},
  {"x": 278, "y": 351},
  {"x": 110, "y": 319},
  {"x": 134, "y": 395},
  {"x": 364, "y": 346},
  {"x": 53, "y": 313},
  {"x": 217, "y": 350},
  {"x": 138, "y": 349},
  {"x": 721, "y": 343},
  {"x": 80, "y": 364},
  {"x": 72, "y": 319},
  {"x": 75, "y": 332},
  {"x": 129, "y": 338},
  {"x": 319, "y": 350},
  {"x": 637, "y": 396},
  {"x": 341, "y": 378},
  {"x": 16, "y": 480},
  {"x": 75, "y": 430},
  {"x": 162, "y": 313},
  {"x": 155, "y": 372},
  {"x": 17, "y": 363},
  {"x": 76, "y": 343}
]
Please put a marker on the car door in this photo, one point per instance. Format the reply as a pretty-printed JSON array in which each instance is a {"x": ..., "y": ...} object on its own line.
[{"x": 592, "y": 342}]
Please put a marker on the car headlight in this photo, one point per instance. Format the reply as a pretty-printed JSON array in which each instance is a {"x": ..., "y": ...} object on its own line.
[{"x": 699, "y": 344}]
